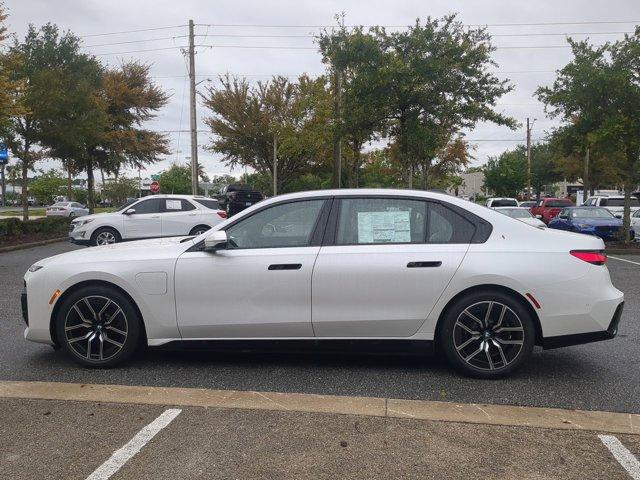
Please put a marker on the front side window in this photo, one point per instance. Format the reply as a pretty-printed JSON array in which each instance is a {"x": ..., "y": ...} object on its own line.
[
  {"x": 381, "y": 220},
  {"x": 285, "y": 225},
  {"x": 147, "y": 206}
]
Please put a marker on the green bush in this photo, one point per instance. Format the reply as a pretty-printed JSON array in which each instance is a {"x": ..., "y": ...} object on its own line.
[{"x": 14, "y": 226}]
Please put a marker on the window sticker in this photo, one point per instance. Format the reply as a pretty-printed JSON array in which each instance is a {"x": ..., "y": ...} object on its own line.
[
  {"x": 174, "y": 205},
  {"x": 384, "y": 227}
]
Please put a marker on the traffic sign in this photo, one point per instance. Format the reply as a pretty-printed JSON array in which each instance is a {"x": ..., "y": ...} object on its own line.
[
  {"x": 155, "y": 177},
  {"x": 4, "y": 153},
  {"x": 154, "y": 187}
]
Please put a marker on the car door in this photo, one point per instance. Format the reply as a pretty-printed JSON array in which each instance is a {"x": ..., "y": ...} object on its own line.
[
  {"x": 260, "y": 285},
  {"x": 561, "y": 221},
  {"x": 145, "y": 221},
  {"x": 179, "y": 216},
  {"x": 387, "y": 264}
]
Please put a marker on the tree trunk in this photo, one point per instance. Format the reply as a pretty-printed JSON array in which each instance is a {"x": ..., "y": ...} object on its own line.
[
  {"x": 354, "y": 171},
  {"x": 90, "y": 185},
  {"x": 25, "y": 179},
  {"x": 626, "y": 214},
  {"x": 410, "y": 174},
  {"x": 4, "y": 187},
  {"x": 69, "y": 184}
]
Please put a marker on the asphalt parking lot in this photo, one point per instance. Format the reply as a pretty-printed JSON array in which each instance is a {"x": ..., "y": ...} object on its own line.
[{"x": 598, "y": 376}]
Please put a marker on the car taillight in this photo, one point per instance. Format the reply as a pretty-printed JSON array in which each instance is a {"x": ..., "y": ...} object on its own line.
[
  {"x": 222, "y": 213},
  {"x": 595, "y": 257}
]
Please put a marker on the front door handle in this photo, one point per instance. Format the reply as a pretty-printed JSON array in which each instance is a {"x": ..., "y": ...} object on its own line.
[
  {"x": 285, "y": 266},
  {"x": 423, "y": 264}
]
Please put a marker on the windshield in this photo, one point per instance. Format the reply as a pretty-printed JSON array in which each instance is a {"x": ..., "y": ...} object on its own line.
[
  {"x": 591, "y": 213},
  {"x": 516, "y": 212},
  {"x": 126, "y": 204},
  {"x": 558, "y": 203},
  {"x": 61, "y": 204},
  {"x": 504, "y": 202},
  {"x": 212, "y": 204}
]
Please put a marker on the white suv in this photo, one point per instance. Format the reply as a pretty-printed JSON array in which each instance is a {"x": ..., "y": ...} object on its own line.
[
  {"x": 615, "y": 204},
  {"x": 148, "y": 217}
]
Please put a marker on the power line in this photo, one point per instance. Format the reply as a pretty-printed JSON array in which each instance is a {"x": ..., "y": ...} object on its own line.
[
  {"x": 140, "y": 51},
  {"x": 122, "y": 32},
  {"x": 135, "y": 41},
  {"x": 532, "y": 24}
]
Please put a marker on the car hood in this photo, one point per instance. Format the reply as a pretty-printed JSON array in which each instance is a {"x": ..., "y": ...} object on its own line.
[
  {"x": 93, "y": 215},
  {"x": 155, "y": 248}
]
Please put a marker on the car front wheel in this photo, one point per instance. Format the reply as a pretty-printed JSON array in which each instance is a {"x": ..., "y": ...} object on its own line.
[
  {"x": 487, "y": 334},
  {"x": 105, "y": 236},
  {"x": 98, "y": 326}
]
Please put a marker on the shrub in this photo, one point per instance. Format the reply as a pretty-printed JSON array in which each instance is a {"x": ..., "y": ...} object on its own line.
[{"x": 13, "y": 226}]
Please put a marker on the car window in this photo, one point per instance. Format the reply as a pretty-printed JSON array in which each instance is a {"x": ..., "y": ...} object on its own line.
[
  {"x": 558, "y": 203},
  {"x": 76, "y": 205},
  {"x": 209, "y": 203},
  {"x": 284, "y": 225},
  {"x": 619, "y": 202},
  {"x": 596, "y": 212},
  {"x": 447, "y": 226},
  {"x": 177, "y": 205},
  {"x": 147, "y": 206},
  {"x": 504, "y": 202},
  {"x": 381, "y": 220}
]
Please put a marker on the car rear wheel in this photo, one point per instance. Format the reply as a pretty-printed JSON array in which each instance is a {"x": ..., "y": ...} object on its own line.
[
  {"x": 487, "y": 334},
  {"x": 105, "y": 236},
  {"x": 98, "y": 327}
]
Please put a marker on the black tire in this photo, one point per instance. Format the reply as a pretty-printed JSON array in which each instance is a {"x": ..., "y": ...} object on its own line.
[
  {"x": 493, "y": 359},
  {"x": 199, "y": 228},
  {"x": 68, "y": 327},
  {"x": 100, "y": 232}
]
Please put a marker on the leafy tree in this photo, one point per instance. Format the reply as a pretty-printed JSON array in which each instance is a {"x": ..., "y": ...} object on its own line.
[
  {"x": 177, "y": 179},
  {"x": 597, "y": 95},
  {"x": 42, "y": 54},
  {"x": 79, "y": 195},
  {"x": 506, "y": 175},
  {"x": 47, "y": 185},
  {"x": 118, "y": 190},
  {"x": 544, "y": 170}
]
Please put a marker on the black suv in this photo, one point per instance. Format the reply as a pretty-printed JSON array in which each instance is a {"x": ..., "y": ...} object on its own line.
[{"x": 236, "y": 197}]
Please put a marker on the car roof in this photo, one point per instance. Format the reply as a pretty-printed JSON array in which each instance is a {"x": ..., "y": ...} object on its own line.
[{"x": 176, "y": 196}]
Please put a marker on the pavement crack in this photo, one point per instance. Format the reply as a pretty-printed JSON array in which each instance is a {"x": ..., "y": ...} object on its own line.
[{"x": 483, "y": 411}]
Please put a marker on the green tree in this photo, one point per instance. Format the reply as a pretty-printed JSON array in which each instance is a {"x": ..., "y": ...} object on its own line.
[
  {"x": 597, "y": 95},
  {"x": 118, "y": 190},
  {"x": 506, "y": 175},
  {"x": 47, "y": 186},
  {"x": 177, "y": 179}
]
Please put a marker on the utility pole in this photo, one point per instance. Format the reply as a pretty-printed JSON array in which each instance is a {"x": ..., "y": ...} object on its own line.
[
  {"x": 275, "y": 165},
  {"x": 337, "y": 134},
  {"x": 528, "y": 160},
  {"x": 4, "y": 187},
  {"x": 192, "y": 105}
]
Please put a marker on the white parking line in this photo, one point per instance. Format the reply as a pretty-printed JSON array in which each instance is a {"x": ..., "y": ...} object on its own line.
[
  {"x": 124, "y": 454},
  {"x": 622, "y": 455},
  {"x": 623, "y": 260}
]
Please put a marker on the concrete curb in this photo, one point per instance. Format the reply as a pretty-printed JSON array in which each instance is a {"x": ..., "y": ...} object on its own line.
[
  {"x": 506, "y": 415},
  {"x": 32, "y": 244}
]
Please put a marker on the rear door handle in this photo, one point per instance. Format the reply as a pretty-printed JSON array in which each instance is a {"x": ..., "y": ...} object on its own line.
[
  {"x": 423, "y": 264},
  {"x": 285, "y": 266}
]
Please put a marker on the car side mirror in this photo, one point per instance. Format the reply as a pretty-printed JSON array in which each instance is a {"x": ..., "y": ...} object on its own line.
[
  {"x": 215, "y": 241},
  {"x": 130, "y": 211},
  {"x": 618, "y": 215},
  {"x": 539, "y": 217}
]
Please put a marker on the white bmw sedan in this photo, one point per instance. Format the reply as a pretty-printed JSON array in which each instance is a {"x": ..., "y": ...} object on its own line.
[{"x": 336, "y": 264}]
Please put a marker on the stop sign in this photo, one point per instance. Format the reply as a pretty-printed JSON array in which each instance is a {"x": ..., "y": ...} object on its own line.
[{"x": 154, "y": 187}]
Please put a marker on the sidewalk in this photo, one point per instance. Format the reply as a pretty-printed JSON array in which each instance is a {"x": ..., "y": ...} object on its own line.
[{"x": 71, "y": 439}]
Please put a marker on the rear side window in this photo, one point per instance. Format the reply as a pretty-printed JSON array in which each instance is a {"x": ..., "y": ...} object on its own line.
[
  {"x": 210, "y": 204},
  {"x": 447, "y": 226},
  {"x": 366, "y": 221}
]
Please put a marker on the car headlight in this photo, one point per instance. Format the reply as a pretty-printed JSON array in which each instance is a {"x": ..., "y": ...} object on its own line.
[
  {"x": 79, "y": 223},
  {"x": 35, "y": 268}
]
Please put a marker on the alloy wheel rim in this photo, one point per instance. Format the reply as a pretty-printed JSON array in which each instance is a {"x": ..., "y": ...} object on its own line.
[
  {"x": 96, "y": 328},
  {"x": 488, "y": 335},
  {"x": 105, "y": 238}
]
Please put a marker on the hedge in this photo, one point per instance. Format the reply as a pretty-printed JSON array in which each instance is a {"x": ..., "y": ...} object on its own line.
[{"x": 13, "y": 226}]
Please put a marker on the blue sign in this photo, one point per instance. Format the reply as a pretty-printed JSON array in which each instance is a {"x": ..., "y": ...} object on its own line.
[{"x": 4, "y": 153}]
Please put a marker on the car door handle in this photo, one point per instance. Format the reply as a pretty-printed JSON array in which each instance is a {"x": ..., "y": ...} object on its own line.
[
  {"x": 423, "y": 264},
  {"x": 285, "y": 266},
  {"x": 155, "y": 216}
]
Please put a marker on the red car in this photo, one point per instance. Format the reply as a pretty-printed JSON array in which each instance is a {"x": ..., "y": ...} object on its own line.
[{"x": 547, "y": 208}]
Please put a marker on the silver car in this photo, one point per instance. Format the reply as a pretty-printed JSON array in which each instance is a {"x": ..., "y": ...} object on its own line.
[{"x": 66, "y": 209}]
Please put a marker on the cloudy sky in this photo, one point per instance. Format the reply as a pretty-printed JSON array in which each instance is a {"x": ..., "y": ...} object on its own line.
[{"x": 530, "y": 37}]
